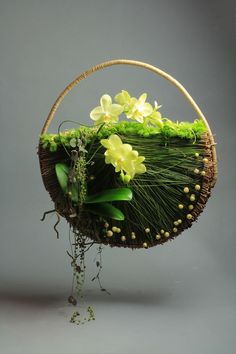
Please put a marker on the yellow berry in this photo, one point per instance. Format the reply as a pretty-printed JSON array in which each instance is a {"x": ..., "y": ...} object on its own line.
[
  {"x": 166, "y": 234},
  {"x": 196, "y": 154},
  {"x": 196, "y": 170},
  {"x": 133, "y": 236},
  {"x": 176, "y": 223},
  {"x": 179, "y": 221},
  {"x": 189, "y": 216},
  {"x": 205, "y": 160},
  {"x": 197, "y": 187},
  {"x": 118, "y": 230},
  {"x": 158, "y": 237},
  {"x": 162, "y": 231},
  {"x": 123, "y": 238},
  {"x": 190, "y": 206},
  {"x": 175, "y": 229},
  {"x": 186, "y": 190},
  {"x": 180, "y": 206},
  {"x": 106, "y": 225},
  {"x": 203, "y": 173},
  {"x": 114, "y": 229},
  {"x": 192, "y": 197},
  {"x": 147, "y": 230},
  {"x": 145, "y": 245},
  {"x": 109, "y": 233}
]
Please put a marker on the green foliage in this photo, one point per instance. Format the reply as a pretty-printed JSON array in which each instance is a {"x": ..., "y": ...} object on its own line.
[
  {"x": 170, "y": 129},
  {"x": 62, "y": 171},
  {"x": 73, "y": 191},
  {"x": 106, "y": 210},
  {"x": 110, "y": 195},
  {"x": 96, "y": 204},
  {"x": 80, "y": 174},
  {"x": 76, "y": 319}
]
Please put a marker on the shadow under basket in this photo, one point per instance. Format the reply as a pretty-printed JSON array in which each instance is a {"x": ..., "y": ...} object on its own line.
[{"x": 150, "y": 217}]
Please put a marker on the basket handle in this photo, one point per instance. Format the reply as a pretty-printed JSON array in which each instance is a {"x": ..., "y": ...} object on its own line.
[{"x": 152, "y": 68}]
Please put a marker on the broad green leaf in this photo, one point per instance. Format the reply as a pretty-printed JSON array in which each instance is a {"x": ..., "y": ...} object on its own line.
[
  {"x": 110, "y": 195},
  {"x": 62, "y": 171},
  {"x": 74, "y": 189},
  {"x": 107, "y": 210}
]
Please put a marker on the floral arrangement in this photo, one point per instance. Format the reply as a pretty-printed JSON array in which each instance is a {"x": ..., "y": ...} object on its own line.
[{"x": 133, "y": 179}]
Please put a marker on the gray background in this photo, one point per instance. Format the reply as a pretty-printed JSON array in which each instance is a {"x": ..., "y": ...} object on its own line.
[{"x": 179, "y": 298}]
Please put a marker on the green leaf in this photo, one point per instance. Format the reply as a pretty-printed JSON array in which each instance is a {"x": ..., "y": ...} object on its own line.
[
  {"x": 79, "y": 142},
  {"x": 82, "y": 149},
  {"x": 110, "y": 195},
  {"x": 107, "y": 210},
  {"x": 74, "y": 190},
  {"x": 73, "y": 142},
  {"x": 62, "y": 171}
]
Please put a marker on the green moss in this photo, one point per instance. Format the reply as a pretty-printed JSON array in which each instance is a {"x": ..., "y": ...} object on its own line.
[{"x": 170, "y": 129}]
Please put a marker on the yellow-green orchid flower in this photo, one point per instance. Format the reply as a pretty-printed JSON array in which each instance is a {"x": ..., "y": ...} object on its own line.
[
  {"x": 123, "y": 157},
  {"x": 155, "y": 117},
  {"x": 124, "y": 99},
  {"x": 139, "y": 109},
  {"x": 108, "y": 112}
]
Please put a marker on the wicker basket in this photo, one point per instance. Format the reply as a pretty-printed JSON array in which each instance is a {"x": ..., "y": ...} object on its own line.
[{"x": 87, "y": 225}]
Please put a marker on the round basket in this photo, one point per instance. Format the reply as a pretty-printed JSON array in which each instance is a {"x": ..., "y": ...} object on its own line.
[{"x": 204, "y": 175}]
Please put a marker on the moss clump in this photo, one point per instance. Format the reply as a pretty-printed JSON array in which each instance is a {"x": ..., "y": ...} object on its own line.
[{"x": 169, "y": 129}]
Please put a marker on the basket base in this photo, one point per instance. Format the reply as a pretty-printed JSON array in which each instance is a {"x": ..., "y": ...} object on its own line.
[{"x": 93, "y": 227}]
